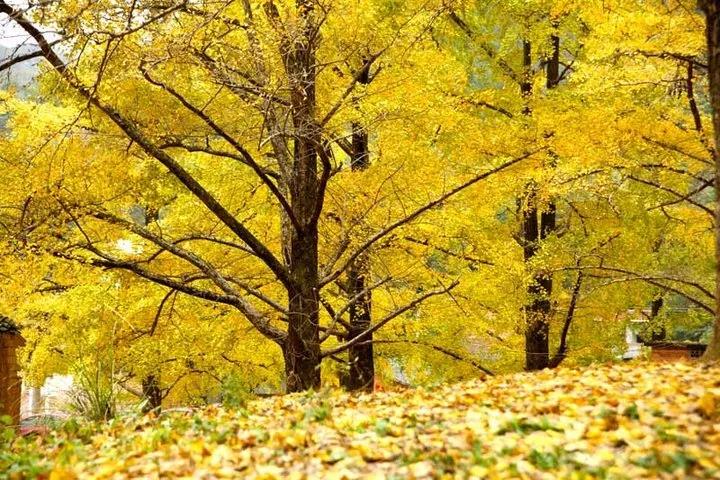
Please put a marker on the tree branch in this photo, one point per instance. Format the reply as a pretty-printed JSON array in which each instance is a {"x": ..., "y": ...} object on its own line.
[
  {"x": 437, "y": 348},
  {"x": 415, "y": 214},
  {"x": 486, "y": 47},
  {"x": 337, "y": 316},
  {"x": 256, "y": 318},
  {"x": 249, "y": 160},
  {"x": 680, "y": 196},
  {"x": 676, "y": 149},
  {"x": 380, "y": 323},
  {"x": 623, "y": 271},
  {"x": 23, "y": 58},
  {"x": 133, "y": 132}
]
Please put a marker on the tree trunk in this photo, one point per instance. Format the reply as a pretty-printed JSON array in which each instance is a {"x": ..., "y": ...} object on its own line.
[
  {"x": 361, "y": 375},
  {"x": 711, "y": 8},
  {"x": 152, "y": 395},
  {"x": 561, "y": 353},
  {"x": 302, "y": 346},
  {"x": 538, "y": 312}
]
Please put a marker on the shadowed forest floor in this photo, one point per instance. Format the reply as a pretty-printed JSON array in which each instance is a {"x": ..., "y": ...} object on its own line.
[{"x": 612, "y": 421}]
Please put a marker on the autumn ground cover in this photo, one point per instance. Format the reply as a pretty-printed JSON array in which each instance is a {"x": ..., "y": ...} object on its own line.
[{"x": 612, "y": 421}]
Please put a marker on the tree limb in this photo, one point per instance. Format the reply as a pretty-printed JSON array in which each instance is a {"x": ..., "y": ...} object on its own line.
[
  {"x": 380, "y": 323},
  {"x": 415, "y": 214}
]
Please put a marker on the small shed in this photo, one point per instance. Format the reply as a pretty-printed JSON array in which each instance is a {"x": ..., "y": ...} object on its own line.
[
  {"x": 668, "y": 351},
  {"x": 10, "y": 383}
]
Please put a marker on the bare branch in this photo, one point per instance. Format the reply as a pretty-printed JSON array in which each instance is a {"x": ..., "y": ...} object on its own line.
[
  {"x": 676, "y": 149},
  {"x": 682, "y": 197},
  {"x": 24, "y": 57},
  {"x": 696, "y": 111},
  {"x": 472, "y": 260},
  {"x": 154, "y": 325},
  {"x": 256, "y": 318},
  {"x": 215, "y": 153},
  {"x": 670, "y": 278},
  {"x": 337, "y": 316},
  {"x": 357, "y": 77}
]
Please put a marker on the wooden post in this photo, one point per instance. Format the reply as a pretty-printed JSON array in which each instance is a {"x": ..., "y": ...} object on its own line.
[{"x": 10, "y": 383}]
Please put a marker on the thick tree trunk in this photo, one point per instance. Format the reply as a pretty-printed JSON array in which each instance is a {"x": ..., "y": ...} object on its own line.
[
  {"x": 152, "y": 395},
  {"x": 712, "y": 30},
  {"x": 302, "y": 346}
]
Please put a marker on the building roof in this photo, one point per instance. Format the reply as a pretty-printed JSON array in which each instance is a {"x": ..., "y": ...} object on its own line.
[{"x": 8, "y": 326}]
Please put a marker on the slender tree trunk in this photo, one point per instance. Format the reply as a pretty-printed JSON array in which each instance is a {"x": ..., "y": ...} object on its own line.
[
  {"x": 537, "y": 348},
  {"x": 538, "y": 312},
  {"x": 561, "y": 353},
  {"x": 711, "y": 8},
  {"x": 361, "y": 375},
  {"x": 151, "y": 394}
]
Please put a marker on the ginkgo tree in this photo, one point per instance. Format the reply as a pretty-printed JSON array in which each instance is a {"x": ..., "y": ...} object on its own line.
[
  {"x": 244, "y": 107},
  {"x": 618, "y": 212},
  {"x": 335, "y": 180}
]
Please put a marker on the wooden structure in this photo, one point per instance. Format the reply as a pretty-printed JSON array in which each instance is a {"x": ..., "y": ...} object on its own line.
[
  {"x": 666, "y": 351},
  {"x": 10, "y": 383}
]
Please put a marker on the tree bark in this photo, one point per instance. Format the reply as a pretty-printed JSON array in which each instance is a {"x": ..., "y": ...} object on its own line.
[
  {"x": 711, "y": 8},
  {"x": 561, "y": 353},
  {"x": 655, "y": 307},
  {"x": 361, "y": 375},
  {"x": 301, "y": 350}
]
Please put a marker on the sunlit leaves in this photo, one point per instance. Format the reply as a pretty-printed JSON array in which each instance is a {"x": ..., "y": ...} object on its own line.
[{"x": 623, "y": 421}]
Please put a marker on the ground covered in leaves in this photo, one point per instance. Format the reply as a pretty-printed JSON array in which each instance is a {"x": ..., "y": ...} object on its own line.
[{"x": 615, "y": 421}]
